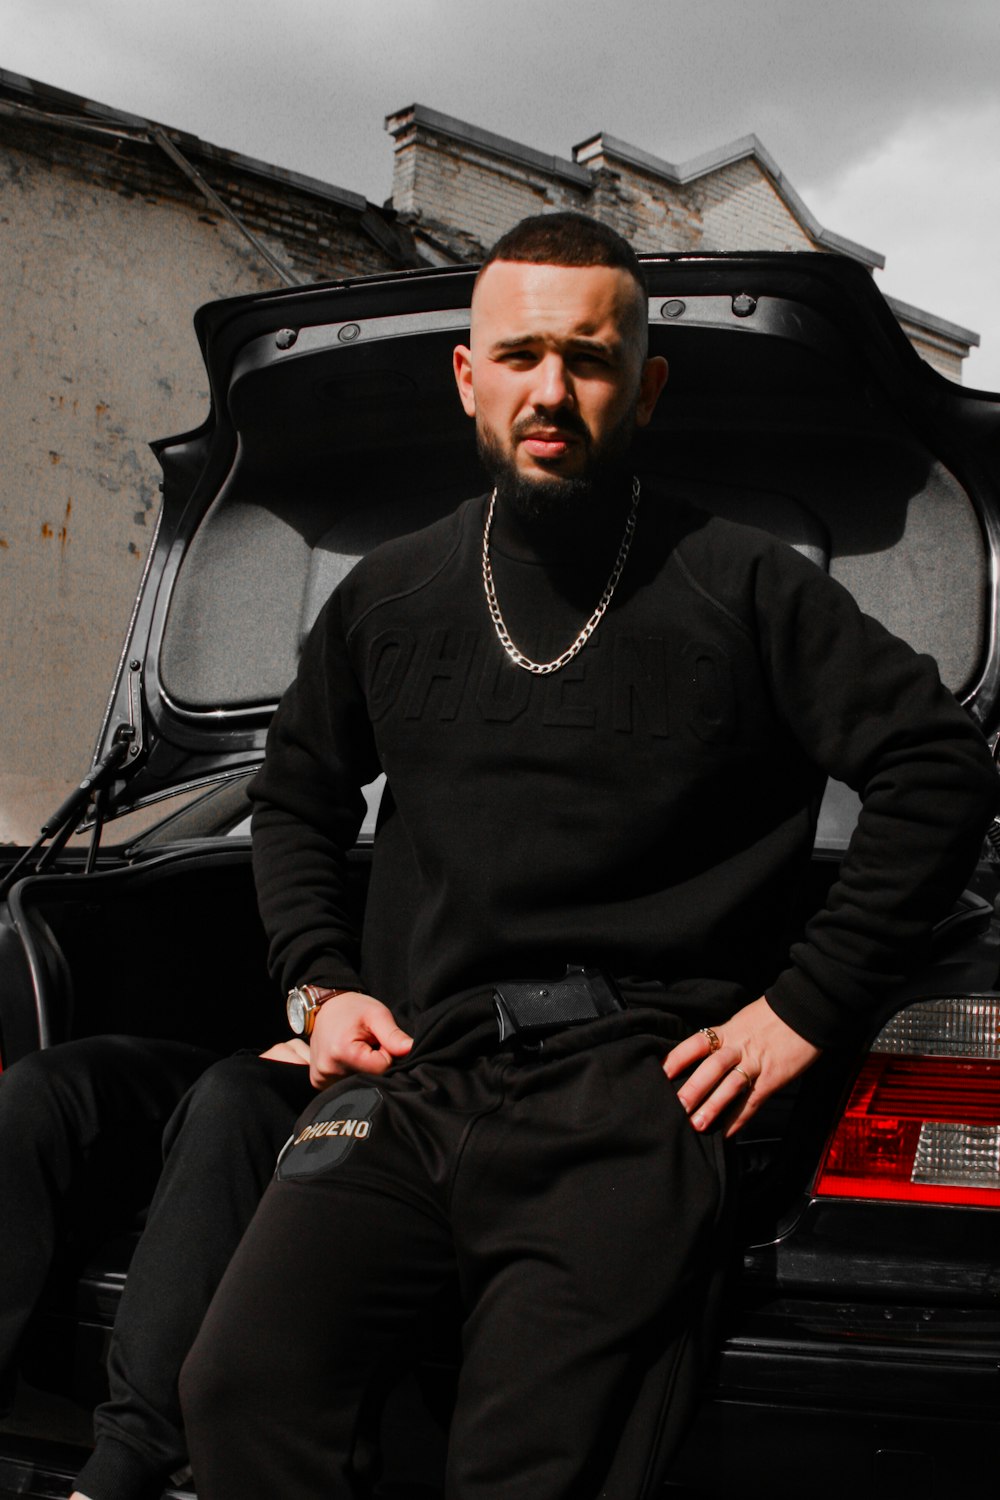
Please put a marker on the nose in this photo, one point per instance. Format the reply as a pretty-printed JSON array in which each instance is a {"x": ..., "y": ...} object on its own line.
[{"x": 553, "y": 386}]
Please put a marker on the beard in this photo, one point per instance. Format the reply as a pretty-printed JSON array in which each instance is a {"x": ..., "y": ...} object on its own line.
[{"x": 547, "y": 500}]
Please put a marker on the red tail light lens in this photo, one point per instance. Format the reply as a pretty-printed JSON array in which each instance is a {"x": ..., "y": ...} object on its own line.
[{"x": 922, "y": 1124}]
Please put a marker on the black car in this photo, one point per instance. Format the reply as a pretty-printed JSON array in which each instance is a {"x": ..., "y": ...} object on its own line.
[{"x": 861, "y": 1344}]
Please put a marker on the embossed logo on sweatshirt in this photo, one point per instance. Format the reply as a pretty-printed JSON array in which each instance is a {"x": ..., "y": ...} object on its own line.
[{"x": 630, "y": 683}]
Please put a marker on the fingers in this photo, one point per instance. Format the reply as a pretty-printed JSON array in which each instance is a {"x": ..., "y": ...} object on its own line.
[
  {"x": 361, "y": 1056},
  {"x": 354, "y": 1033},
  {"x": 721, "y": 1084},
  {"x": 733, "y": 1067},
  {"x": 322, "y": 1073},
  {"x": 295, "y": 1050},
  {"x": 384, "y": 1030},
  {"x": 691, "y": 1050}
]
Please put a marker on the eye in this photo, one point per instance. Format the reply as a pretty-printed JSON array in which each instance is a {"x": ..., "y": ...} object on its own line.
[
  {"x": 517, "y": 359},
  {"x": 590, "y": 359}
]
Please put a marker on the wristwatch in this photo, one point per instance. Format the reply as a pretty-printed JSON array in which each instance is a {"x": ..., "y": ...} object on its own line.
[{"x": 303, "y": 1005}]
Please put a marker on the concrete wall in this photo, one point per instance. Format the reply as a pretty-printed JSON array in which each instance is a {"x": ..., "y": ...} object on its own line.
[{"x": 106, "y": 250}]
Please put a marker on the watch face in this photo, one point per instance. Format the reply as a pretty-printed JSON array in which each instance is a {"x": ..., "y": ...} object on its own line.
[{"x": 297, "y": 1007}]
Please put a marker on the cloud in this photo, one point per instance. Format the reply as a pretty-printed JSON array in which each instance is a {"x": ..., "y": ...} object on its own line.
[
  {"x": 929, "y": 198},
  {"x": 882, "y": 115},
  {"x": 308, "y": 86}
]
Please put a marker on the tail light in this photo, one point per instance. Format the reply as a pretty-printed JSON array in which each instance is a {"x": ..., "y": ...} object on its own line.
[{"x": 922, "y": 1124}]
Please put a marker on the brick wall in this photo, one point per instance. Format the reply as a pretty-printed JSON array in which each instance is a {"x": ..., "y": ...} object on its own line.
[
  {"x": 741, "y": 210},
  {"x": 458, "y": 188},
  {"x": 450, "y": 177},
  {"x": 941, "y": 353},
  {"x": 461, "y": 191},
  {"x": 650, "y": 219}
]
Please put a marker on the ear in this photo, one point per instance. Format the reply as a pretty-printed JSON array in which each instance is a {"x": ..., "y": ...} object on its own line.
[
  {"x": 462, "y": 365},
  {"x": 651, "y": 383}
]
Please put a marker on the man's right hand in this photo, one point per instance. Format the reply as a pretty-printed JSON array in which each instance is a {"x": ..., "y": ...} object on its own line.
[{"x": 354, "y": 1033}]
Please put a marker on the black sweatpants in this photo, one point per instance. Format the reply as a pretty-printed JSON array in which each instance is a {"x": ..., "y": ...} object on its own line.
[
  {"x": 82, "y": 1147},
  {"x": 220, "y": 1149},
  {"x": 80, "y": 1152},
  {"x": 567, "y": 1197}
]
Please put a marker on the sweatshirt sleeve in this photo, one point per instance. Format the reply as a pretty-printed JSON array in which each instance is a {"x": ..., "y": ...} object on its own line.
[
  {"x": 873, "y": 713},
  {"x": 308, "y": 808}
]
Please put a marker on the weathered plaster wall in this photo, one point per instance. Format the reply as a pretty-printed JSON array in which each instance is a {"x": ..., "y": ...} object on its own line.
[
  {"x": 105, "y": 253},
  {"x": 96, "y": 298}
]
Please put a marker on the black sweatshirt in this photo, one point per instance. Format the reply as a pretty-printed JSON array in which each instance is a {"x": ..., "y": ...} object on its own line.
[{"x": 649, "y": 808}]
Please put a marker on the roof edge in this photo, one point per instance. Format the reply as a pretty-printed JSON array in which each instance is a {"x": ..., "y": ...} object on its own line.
[
  {"x": 73, "y": 108},
  {"x": 746, "y": 146},
  {"x": 486, "y": 140},
  {"x": 932, "y": 323}
]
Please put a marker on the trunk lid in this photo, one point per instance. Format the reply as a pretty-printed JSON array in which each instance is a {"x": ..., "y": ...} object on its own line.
[{"x": 795, "y": 403}]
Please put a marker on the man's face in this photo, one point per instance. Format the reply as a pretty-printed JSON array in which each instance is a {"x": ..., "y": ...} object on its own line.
[{"x": 555, "y": 375}]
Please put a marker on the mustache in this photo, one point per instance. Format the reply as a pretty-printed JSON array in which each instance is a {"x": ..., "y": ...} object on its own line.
[{"x": 567, "y": 424}]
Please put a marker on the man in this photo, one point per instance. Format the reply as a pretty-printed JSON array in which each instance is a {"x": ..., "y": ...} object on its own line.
[{"x": 600, "y": 752}]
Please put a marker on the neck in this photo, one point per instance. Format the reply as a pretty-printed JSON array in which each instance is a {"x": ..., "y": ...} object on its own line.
[{"x": 588, "y": 527}]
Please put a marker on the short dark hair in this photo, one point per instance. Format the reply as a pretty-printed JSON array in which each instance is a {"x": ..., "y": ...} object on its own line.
[
  {"x": 566, "y": 239},
  {"x": 572, "y": 239}
]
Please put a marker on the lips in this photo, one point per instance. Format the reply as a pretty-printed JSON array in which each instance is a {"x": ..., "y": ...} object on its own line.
[
  {"x": 547, "y": 443},
  {"x": 546, "y": 447}
]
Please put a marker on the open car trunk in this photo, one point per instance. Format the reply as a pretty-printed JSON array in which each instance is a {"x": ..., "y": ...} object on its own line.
[{"x": 795, "y": 404}]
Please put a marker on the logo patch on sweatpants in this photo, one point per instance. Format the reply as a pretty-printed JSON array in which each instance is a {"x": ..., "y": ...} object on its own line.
[{"x": 336, "y": 1128}]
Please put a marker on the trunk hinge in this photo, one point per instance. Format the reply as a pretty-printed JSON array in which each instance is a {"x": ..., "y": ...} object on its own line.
[{"x": 132, "y": 732}]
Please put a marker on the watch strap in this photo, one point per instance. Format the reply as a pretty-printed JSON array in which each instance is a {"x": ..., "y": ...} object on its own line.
[{"x": 318, "y": 994}]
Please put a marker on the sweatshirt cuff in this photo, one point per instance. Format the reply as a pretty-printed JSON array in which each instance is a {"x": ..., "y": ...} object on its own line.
[
  {"x": 331, "y": 979},
  {"x": 808, "y": 1010}
]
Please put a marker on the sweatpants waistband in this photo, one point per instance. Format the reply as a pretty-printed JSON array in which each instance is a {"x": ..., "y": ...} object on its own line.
[{"x": 465, "y": 1026}]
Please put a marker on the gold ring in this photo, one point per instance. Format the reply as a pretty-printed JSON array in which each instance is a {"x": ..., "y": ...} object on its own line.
[
  {"x": 751, "y": 1082},
  {"x": 713, "y": 1041}
]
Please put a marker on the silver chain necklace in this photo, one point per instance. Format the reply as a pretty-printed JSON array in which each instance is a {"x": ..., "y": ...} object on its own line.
[{"x": 544, "y": 668}]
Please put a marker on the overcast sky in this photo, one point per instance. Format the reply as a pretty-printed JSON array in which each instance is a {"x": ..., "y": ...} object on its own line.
[{"x": 883, "y": 114}]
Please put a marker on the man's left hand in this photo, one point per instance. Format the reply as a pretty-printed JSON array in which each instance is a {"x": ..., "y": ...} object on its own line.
[
  {"x": 295, "y": 1050},
  {"x": 756, "y": 1055}
]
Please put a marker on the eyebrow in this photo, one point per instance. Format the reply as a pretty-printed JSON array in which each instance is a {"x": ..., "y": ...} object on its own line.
[{"x": 578, "y": 343}]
